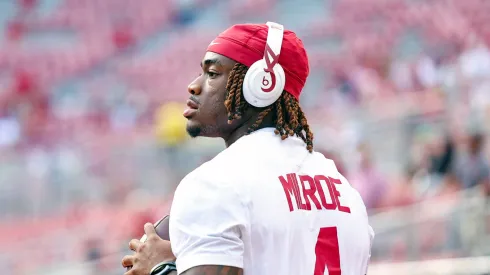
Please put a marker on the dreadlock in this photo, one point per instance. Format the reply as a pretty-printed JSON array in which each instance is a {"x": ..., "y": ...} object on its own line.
[{"x": 288, "y": 116}]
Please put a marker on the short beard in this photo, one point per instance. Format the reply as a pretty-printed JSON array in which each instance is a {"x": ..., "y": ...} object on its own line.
[{"x": 194, "y": 131}]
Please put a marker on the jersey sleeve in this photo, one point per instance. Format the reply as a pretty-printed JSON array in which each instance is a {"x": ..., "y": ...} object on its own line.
[
  {"x": 206, "y": 224},
  {"x": 371, "y": 240}
]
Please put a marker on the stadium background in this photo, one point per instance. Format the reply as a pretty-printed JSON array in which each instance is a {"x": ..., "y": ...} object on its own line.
[{"x": 92, "y": 141}]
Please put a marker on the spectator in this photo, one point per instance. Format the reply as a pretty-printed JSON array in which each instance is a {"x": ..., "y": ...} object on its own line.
[
  {"x": 441, "y": 164},
  {"x": 367, "y": 180},
  {"x": 401, "y": 192},
  {"x": 93, "y": 255},
  {"x": 472, "y": 168}
]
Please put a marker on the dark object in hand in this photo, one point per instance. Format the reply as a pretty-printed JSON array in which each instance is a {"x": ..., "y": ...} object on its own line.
[{"x": 162, "y": 228}]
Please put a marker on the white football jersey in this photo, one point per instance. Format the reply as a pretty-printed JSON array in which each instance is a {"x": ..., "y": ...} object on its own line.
[{"x": 270, "y": 207}]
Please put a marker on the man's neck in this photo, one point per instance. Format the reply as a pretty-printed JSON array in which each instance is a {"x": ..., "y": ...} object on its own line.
[
  {"x": 240, "y": 132},
  {"x": 236, "y": 134}
]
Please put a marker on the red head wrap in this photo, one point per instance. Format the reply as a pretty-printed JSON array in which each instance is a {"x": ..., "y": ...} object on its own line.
[{"x": 246, "y": 44}]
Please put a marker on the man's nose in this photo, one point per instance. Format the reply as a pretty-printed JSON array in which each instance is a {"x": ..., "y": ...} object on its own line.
[{"x": 194, "y": 88}]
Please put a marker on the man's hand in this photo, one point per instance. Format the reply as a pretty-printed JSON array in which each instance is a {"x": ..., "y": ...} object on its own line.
[
  {"x": 214, "y": 270},
  {"x": 148, "y": 254}
]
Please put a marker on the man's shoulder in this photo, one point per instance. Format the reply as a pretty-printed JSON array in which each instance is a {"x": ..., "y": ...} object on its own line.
[
  {"x": 215, "y": 173},
  {"x": 208, "y": 188},
  {"x": 228, "y": 163}
]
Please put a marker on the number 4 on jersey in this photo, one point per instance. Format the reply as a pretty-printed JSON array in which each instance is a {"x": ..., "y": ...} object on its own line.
[{"x": 327, "y": 252}]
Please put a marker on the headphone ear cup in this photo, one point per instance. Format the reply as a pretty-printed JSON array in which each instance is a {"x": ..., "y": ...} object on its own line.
[{"x": 260, "y": 88}]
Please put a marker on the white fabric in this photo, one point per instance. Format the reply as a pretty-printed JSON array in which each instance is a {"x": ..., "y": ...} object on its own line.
[{"x": 234, "y": 211}]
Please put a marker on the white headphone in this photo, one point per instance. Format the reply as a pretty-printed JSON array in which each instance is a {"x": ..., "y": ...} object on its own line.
[{"x": 265, "y": 79}]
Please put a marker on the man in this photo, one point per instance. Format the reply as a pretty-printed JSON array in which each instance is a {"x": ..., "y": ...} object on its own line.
[
  {"x": 473, "y": 168},
  {"x": 265, "y": 205}
]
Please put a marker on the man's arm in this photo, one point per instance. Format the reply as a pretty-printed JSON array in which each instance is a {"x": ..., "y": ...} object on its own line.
[
  {"x": 207, "y": 221},
  {"x": 213, "y": 270}
]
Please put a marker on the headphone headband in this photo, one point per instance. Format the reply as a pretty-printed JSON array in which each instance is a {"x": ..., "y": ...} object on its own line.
[
  {"x": 274, "y": 38},
  {"x": 265, "y": 79}
]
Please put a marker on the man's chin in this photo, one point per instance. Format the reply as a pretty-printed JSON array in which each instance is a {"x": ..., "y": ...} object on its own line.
[
  {"x": 193, "y": 130},
  {"x": 197, "y": 129}
]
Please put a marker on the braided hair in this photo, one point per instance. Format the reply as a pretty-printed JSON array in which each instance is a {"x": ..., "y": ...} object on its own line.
[{"x": 289, "y": 119}]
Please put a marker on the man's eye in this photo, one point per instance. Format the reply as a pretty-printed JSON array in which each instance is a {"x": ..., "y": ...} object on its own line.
[{"x": 212, "y": 74}]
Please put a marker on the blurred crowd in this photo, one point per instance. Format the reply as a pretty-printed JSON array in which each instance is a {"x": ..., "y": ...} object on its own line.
[
  {"x": 440, "y": 166},
  {"x": 91, "y": 95}
]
